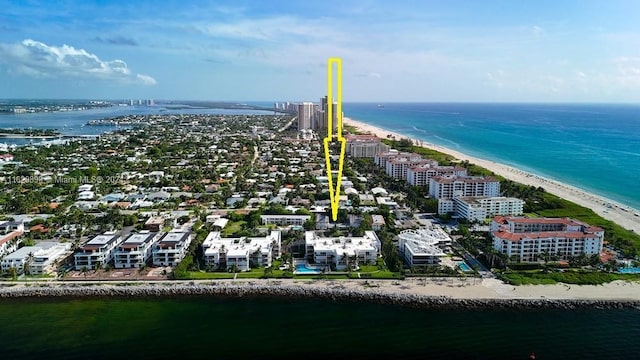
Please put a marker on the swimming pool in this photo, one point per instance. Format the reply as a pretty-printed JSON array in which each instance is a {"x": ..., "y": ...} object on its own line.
[
  {"x": 629, "y": 270},
  {"x": 464, "y": 267},
  {"x": 306, "y": 269}
]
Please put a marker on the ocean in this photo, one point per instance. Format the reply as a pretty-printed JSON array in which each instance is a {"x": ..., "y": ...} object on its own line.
[
  {"x": 269, "y": 328},
  {"x": 594, "y": 147}
]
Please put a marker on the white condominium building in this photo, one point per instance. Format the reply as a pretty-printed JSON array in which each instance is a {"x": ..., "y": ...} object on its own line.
[
  {"x": 98, "y": 250},
  {"x": 420, "y": 175},
  {"x": 525, "y": 239},
  {"x": 284, "y": 220},
  {"x": 449, "y": 187},
  {"x": 171, "y": 248},
  {"x": 381, "y": 158},
  {"x": 135, "y": 251},
  {"x": 481, "y": 208},
  {"x": 359, "y": 146},
  {"x": 38, "y": 259},
  {"x": 422, "y": 247},
  {"x": 397, "y": 167},
  {"x": 241, "y": 252},
  {"x": 340, "y": 251}
]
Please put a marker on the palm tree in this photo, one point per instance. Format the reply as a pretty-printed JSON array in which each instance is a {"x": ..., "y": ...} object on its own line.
[
  {"x": 13, "y": 272},
  {"x": 26, "y": 266},
  {"x": 84, "y": 270},
  {"x": 98, "y": 268},
  {"x": 268, "y": 272}
]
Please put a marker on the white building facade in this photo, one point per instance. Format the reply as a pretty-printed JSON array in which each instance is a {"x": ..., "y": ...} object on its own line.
[
  {"x": 449, "y": 187},
  {"x": 241, "y": 252},
  {"x": 284, "y": 220},
  {"x": 480, "y": 208},
  {"x": 343, "y": 250},
  {"x": 526, "y": 239},
  {"x": 135, "y": 250},
  {"x": 98, "y": 250},
  {"x": 420, "y": 175},
  {"x": 422, "y": 247},
  {"x": 171, "y": 248},
  {"x": 37, "y": 260}
]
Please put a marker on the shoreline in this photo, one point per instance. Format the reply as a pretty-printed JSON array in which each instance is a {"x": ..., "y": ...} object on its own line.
[
  {"x": 597, "y": 203},
  {"x": 488, "y": 293}
]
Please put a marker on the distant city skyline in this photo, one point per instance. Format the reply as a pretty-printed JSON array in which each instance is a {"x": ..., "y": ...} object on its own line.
[{"x": 407, "y": 51}]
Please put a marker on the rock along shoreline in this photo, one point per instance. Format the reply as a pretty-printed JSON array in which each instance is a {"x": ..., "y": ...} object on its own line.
[{"x": 335, "y": 293}]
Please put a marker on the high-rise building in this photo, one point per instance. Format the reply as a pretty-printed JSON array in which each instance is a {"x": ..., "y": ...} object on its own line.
[{"x": 305, "y": 115}]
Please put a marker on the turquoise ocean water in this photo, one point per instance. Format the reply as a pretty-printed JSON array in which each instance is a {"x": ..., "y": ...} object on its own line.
[{"x": 593, "y": 147}]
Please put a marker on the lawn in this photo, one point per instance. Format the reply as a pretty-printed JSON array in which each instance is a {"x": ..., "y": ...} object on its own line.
[{"x": 232, "y": 228}]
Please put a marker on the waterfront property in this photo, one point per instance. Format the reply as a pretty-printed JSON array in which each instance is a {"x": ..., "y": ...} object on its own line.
[
  {"x": 341, "y": 251},
  {"x": 423, "y": 247},
  {"x": 364, "y": 146},
  {"x": 420, "y": 175},
  {"x": 243, "y": 253},
  {"x": 135, "y": 251},
  {"x": 451, "y": 186},
  {"x": 171, "y": 248},
  {"x": 98, "y": 250},
  {"x": 528, "y": 239},
  {"x": 479, "y": 208},
  {"x": 36, "y": 260},
  {"x": 303, "y": 267}
]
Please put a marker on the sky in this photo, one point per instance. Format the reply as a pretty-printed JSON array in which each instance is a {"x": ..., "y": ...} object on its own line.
[{"x": 393, "y": 51}]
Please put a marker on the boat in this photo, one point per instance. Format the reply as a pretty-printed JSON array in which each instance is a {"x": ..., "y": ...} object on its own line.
[{"x": 380, "y": 106}]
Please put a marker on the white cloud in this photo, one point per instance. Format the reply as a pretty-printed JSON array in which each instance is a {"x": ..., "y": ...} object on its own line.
[
  {"x": 537, "y": 31},
  {"x": 37, "y": 59}
]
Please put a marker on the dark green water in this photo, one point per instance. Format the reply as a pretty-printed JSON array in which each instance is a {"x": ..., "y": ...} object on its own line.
[{"x": 243, "y": 328}]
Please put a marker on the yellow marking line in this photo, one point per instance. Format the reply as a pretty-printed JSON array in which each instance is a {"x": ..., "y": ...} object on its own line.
[{"x": 334, "y": 192}]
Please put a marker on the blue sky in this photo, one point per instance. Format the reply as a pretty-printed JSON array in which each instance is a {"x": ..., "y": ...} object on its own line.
[{"x": 558, "y": 51}]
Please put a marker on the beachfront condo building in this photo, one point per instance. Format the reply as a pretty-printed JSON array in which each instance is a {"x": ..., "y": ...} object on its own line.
[
  {"x": 397, "y": 167},
  {"x": 420, "y": 175},
  {"x": 482, "y": 207},
  {"x": 305, "y": 115},
  {"x": 423, "y": 247},
  {"x": 381, "y": 158},
  {"x": 342, "y": 251},
  {"x": 171, "y": 248},
  {"x": 527, "y": 239},
  {"x": 135, "y": 250},
  {"x": 37, "y": 260},
  {"x": 98, "y": 251},
  {"x": 451, "y": 186},
  {"x": 364, "y": 146},
  {"x": 244, "y": 253}
]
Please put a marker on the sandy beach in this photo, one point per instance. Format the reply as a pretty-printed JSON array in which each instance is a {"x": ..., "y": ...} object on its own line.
[{"x": 607, "y": 208}]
